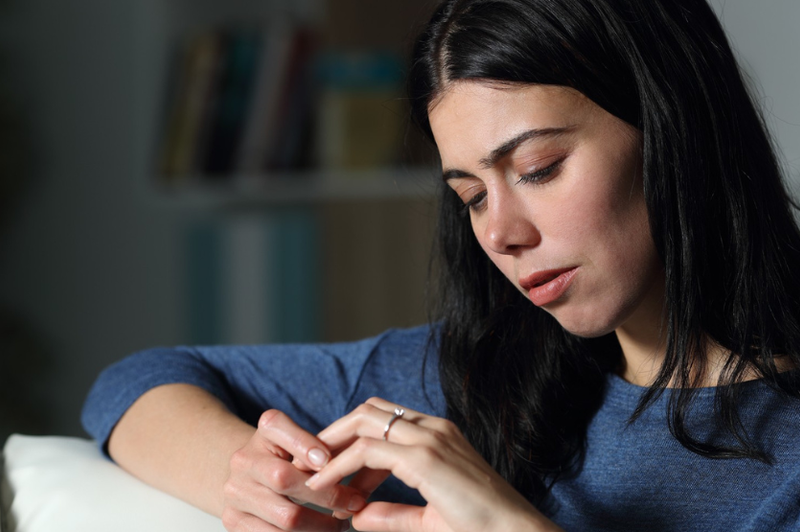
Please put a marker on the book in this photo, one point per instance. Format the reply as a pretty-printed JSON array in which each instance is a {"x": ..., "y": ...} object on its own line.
[
  {"x": 294, "y": 104},
  {"x": 196, "y": 70},
  {"x": 209, "y": 105},
  {"x": 234, "y": 86},
  {"x": 249, "y": 279},
  {"x": 362, "y": 112},
  {"x": 263, "y": 107},
  {"x": 253, "y": 277},
  {"x": 298, "y": 271}
]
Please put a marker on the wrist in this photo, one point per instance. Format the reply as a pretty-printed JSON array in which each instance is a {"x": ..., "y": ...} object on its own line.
[{"x": 532, "y": 521}]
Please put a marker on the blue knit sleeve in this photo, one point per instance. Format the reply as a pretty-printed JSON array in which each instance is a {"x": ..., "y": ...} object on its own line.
[{"x": 313, "y": 384}]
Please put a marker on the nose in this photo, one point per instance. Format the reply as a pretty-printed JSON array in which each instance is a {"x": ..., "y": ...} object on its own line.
[{"x": 509, "y": 226}]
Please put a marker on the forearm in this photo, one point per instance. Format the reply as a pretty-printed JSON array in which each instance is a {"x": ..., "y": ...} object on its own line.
[{"x": 179, "y": 439}]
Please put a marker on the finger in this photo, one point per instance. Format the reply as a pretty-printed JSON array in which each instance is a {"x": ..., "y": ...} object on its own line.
[
  {"x": 365, "y": 453},
  {"x": 365, "y": 482},
  {"x": 304, "y": 519},
  {"x": 271, "y": 508},
  {"x": 278, "y": 429},
  {"x": 388, "y": 517},
  {"x": 235, "y": 520},
  {"x": 383, "y": 404},
  {"x": 283, "y": 478},
  {"x": 366, "y": 420}
]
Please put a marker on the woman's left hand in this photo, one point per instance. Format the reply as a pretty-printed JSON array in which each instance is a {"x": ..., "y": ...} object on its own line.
[{"x": 431, "y": 455}]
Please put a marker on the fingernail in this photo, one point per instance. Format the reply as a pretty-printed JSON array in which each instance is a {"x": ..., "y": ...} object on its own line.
[
  {"x": 357, "y": 503},
  {"x": 317, "y": 457},
  {"x": 310, "y": 482},
  {"x": 345, "y": 526}
]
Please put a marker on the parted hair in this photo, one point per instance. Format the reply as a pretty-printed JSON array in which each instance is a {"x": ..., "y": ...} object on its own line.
[{"x": 523, "y": 389}]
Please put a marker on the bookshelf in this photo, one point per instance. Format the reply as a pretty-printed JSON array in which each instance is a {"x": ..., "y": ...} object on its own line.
[
  {"x": 304, "y": 188},
  {"x": 278, "y": 103},
  {"x": 299, "y": 248}
]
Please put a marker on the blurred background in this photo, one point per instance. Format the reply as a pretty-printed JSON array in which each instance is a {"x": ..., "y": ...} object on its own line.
[{"x": 238, "y": 171}]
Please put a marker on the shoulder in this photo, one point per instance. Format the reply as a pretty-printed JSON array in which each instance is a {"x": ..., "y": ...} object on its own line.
[
  {"x": 773, "y": 420},
  {"x": 409, "y": 343},
  {"x": 403, "y": 367},
  {"x": 407, "y": 351}
]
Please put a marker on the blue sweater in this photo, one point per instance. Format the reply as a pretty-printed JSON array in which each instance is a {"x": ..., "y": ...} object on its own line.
[{"x": 634, "y": 476}]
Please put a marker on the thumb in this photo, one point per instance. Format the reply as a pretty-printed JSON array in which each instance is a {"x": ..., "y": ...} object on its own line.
[
  {"x": 389, "y": 517},
  {"x": 365, "y": 481}
]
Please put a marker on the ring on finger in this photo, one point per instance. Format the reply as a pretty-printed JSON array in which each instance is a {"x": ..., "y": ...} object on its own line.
[{"x": 398, "y": 413}]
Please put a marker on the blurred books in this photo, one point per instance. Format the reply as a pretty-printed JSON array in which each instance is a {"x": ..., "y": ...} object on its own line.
[
  {"x": 245, "y": 103},
  {"x": 361, "y": 112},
  {"x": 253, "y": 278}
]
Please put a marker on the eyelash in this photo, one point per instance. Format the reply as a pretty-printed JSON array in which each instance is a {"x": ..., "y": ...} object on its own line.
[{"x": 534, "y": 177}]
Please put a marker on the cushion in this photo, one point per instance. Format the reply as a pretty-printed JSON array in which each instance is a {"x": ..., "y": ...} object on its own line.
[{"x": 58, "y": 483}]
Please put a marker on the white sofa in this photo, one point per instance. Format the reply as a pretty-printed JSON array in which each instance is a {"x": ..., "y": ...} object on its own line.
[{"x": 64, "y": 484}]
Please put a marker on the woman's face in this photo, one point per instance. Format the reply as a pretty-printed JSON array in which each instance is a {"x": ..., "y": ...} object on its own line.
[{"x": 553, "y": 188}]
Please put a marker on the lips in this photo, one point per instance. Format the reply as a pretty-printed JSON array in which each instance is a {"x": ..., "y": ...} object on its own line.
[
  {"x": 547, "y": 286},
  {"x": 546, "y": 279}
]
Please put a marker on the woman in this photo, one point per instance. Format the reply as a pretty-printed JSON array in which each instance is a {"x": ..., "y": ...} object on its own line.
[{"x": 617, "y": 341}]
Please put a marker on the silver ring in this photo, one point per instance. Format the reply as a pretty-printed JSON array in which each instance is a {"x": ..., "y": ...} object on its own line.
[{"x": 398, "y": 413}]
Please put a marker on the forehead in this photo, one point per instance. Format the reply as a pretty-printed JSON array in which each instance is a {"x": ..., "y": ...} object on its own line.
[
  {"x": 491, "y": 91},
  {"x": 476, "y": 115}
]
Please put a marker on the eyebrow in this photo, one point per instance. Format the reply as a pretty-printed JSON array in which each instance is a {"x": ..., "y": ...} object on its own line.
[{"x": 507, "y": 147}]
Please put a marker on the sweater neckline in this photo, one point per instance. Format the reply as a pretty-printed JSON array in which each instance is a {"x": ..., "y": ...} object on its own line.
[{"x": 623, "y": 393}]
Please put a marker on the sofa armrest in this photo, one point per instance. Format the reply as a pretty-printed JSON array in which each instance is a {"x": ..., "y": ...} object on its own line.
[{"x": 65, "y": 484}]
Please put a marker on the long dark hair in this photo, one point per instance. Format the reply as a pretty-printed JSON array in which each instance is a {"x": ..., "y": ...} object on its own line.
[{"x": 522, "y": 389}]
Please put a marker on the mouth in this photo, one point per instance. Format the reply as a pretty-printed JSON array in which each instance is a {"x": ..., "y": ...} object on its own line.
[
  {"x": 545, "y": 280},
  {"x": 547, "y": 286},
  {"x": 543, "y": 277}
]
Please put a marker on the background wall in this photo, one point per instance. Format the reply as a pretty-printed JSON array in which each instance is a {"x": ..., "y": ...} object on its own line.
[
  {"x": 92, "y": 261},
  {"x": 766, "y": 38}
]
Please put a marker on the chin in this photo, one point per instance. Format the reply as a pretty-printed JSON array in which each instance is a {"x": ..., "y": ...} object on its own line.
[
  {"x": 588, "y": 332},
  {"x": 585, "y": 326}
]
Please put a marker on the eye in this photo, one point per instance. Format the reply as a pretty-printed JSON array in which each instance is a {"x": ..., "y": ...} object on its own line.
[
  {"x": 475, "y": 203},
  {"x": 542, "y": 175}
]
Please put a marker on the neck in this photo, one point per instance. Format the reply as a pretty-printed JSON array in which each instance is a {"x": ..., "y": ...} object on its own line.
[
  {"x": 643, "y": 358},
  {"x": 643, "y": 338},
  {"x": 643, "y": 341},
  {"x": 642, "y": 354}
]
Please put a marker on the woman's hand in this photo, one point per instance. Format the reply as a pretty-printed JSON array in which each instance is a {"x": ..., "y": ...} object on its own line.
[
  {"x": 431, "y": 455},
  {"x": 265, "y": 489}
]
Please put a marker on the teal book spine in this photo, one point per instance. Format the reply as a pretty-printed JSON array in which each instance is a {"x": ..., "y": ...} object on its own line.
[{"x": 298, "y": 266}]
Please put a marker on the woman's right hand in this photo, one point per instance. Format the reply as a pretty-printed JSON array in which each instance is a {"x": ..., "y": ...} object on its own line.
[{"x": 266, "y": 489}]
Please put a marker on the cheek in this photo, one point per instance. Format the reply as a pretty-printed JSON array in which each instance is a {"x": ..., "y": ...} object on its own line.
[
  {"x": 609, "y": 202},
  {"x": 605, "y": 221},
  {"x": 625, "y": 250}
]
